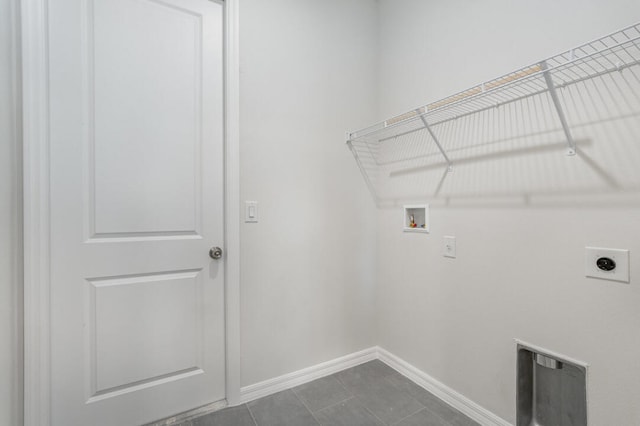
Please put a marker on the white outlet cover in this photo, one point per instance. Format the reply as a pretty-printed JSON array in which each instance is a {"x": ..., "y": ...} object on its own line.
[
  {"x": 449, "y": 247},
  {"x": 621, "y": 257}
]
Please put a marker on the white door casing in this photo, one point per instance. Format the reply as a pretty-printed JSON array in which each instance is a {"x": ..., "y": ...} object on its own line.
[{"x": 133, "y": 150}]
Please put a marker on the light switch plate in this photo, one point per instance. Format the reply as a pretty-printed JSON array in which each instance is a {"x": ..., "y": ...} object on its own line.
[
  {"x": 449, "y": 247},
  {"x": 620, "y": 257},
  {"x": 251, "y": 211}
]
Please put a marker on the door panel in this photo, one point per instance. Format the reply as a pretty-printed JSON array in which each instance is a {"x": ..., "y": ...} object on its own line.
[
  {"x": 132, "y": 338},
  {"x": 136, "y": 168},
  {"x": 147, "y": 149}
]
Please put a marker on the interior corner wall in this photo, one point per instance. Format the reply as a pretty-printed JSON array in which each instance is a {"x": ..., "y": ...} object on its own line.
[
  {"x": 519, "y": 271},
  {"x": 307, "y": 75},
  {"x": 10, "y": 220}
]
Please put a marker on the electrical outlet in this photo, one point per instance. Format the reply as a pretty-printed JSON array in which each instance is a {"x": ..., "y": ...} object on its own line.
[
  {"x": 449, "y": 247},
  {"x": 607, "y": 264}
]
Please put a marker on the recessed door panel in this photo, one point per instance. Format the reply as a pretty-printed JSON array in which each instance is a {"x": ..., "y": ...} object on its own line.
[
  {"x": 145, "y": 95},
  {"x": 144, "y": 328}
]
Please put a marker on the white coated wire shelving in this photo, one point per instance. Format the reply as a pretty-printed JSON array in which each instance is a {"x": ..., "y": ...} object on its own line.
[{"x": 596, "y": 81}]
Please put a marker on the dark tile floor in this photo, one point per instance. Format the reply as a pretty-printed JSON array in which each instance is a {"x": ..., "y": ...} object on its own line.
[{"x": 370, "y": 394}]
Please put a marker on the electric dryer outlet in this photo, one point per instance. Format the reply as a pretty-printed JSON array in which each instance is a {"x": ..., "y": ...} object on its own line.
[{"x": 607, "y": 264}]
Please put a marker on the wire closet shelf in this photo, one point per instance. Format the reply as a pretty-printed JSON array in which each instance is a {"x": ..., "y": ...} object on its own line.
[{"x": 616, "y": 53}]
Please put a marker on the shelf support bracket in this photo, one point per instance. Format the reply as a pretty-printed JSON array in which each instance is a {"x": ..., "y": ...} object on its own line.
[
  {"x": 435, "y": 139},
  {"x": 362, "y": 169},
  {"x": 556, "y": 102}
]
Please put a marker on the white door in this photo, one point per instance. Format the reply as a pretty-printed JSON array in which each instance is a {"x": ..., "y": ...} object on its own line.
[{"x": 136, "y": 181}]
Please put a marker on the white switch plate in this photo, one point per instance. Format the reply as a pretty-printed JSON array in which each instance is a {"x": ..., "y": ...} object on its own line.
[
  {"x": 621, "y": 257},
  {"x": 449, "y": 247},
  {"x": 251, "y": 211}
]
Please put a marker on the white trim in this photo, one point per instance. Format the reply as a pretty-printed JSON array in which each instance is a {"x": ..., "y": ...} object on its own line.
[
  {"x": 35, "y": 95},
  {"x": 232, "y": 201},
  {"x": 288, "y": 381},
  {"x": 442, "y": 391},
  {"x": 16, "y": 377}
]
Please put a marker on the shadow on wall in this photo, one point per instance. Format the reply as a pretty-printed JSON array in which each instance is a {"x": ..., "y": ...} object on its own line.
[{"x": 513, "y": 153}]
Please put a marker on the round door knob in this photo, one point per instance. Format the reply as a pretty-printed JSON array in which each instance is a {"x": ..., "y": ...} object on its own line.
[{"x": 215, "y": 253}]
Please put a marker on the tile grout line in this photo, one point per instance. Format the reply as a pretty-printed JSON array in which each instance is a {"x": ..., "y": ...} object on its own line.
[
  {"x": 373, "y": 414},
  {"x": 351, "y": 395},
  {"x": 335, "y": 376},
  {"x": 408, "y": 394},
  {"x": 406, "y": 417},
  {"x": 255, "y": 422},
  {"x": 356, "y": 396},
  {"x": 305, "y": 406},
  {"x": 335, "y": 403},
  {"x": 440, "y": 417},
  {"x": 388, "y": 383}
]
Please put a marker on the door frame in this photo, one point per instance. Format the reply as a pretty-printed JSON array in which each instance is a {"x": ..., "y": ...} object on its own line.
[{"x": 37, "y": 297}]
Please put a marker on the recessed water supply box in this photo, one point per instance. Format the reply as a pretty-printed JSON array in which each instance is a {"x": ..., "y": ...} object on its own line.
[
  {"x": 416, "y": 218},
  {"x": 551, "y": 390}
]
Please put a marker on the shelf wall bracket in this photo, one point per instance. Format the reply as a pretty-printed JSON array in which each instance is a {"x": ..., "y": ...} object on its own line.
[
  {"x": 435, "y": 139},
  {"x": 362, "y": 168},
  {"x": 556, "y": 102}
]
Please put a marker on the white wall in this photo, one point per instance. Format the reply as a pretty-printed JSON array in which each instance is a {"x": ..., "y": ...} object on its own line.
[
  {"x": 10, "y": 224},
  {"x": 519, "y": 270},
  {"x": 307, "y": 268}
]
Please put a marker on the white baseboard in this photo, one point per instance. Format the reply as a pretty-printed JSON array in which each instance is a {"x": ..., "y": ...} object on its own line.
[
  {"x": 288, "y": 381},
  {"x": 445, "y": 393}
]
